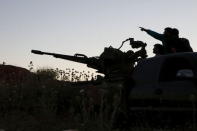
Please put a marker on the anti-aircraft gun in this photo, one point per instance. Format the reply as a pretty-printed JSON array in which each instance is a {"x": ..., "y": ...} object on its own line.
[{"x": 112, "y": 62}]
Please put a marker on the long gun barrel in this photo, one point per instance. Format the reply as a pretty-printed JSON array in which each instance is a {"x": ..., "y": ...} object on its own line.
[
  {"x": 91, "y": 62},
  {"x": 77, "y": 57}
]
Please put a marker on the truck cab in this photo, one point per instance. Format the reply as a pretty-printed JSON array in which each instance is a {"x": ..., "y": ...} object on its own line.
[{"x": 166, "y": 82}]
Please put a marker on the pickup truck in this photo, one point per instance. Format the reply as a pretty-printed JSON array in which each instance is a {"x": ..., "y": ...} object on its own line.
[{"x": 166, "y": 84}]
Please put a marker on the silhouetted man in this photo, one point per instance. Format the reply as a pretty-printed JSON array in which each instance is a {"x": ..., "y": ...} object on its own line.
[
  {"x": 167, "y": 38},
  {"x": 181, "y": 44},
  {"x": 170, "y": 40},
  {"x": 158, "y": 50}
]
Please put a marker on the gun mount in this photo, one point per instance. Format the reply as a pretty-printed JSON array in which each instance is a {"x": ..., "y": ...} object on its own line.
[{"x": 112, "y": 62}]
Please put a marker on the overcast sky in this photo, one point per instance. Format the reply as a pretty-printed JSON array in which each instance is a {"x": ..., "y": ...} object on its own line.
[{"x": 86, "y": 26}]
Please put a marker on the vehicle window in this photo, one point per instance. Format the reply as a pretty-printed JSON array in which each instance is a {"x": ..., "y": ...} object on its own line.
[
  {"x": 185, "y": 73},
  {"x": 176, "y": 69}
]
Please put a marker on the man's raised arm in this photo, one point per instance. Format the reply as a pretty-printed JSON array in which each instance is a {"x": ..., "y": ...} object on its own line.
[{"x": 154, "y": 34}]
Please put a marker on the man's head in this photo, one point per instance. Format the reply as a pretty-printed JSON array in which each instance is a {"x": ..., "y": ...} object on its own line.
[
  {"x": 175, "y": 32},
  {"x": 172, "y": 32},
  {"x": 158, "y": 49},
  {"x": 168, "y": 31}
]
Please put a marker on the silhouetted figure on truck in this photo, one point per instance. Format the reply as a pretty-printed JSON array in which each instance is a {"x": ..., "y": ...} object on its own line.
[
  {"x": 170, "y": 40},
  {"x": 158, "y": 50},
  {"x": 183, "y": 45}
]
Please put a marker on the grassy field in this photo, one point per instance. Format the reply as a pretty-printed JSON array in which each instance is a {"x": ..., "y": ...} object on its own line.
[{"x": 56, "y": 100}]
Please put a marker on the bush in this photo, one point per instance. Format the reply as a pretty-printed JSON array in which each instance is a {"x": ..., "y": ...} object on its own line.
[{"x": 47, "y": 74}]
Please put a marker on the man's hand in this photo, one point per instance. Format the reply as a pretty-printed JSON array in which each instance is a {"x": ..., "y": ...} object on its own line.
[{"x": 142, "y": 29}]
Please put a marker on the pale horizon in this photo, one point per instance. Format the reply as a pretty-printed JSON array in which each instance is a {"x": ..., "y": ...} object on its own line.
[{"x": 74, "y": 26}]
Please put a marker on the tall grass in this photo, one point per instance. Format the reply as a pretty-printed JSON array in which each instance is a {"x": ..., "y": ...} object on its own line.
[
  {"x": 55, "y": 100},
  {"x": 70, "y": 75},
  {"x": 49, "y": 99}
]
